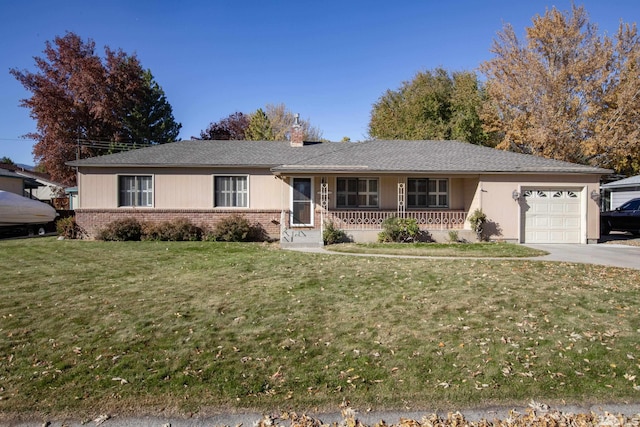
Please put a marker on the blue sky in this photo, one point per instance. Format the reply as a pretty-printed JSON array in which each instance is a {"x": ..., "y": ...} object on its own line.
[{"x": 328, "y": 60}]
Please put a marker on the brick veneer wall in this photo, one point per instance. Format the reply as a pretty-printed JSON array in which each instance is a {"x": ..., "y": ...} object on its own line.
[{"x": 93, "y": 220}]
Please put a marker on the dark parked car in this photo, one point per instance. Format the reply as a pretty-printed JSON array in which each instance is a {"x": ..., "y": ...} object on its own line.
[{"x": 624, "y": 218}]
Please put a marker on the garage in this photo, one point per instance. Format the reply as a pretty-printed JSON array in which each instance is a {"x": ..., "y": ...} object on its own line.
[{"x": 551, "y": 216}]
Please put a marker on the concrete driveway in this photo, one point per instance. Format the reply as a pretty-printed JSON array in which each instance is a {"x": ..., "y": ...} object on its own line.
[{"x": 602, "y": 254}]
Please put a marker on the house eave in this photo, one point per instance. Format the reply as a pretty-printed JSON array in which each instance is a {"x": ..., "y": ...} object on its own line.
[
  {"x": 168, "y": 165},
  {"x": 280, "y": 170}
]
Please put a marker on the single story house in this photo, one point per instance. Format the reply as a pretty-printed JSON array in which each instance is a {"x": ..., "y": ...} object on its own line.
[
  {"x": 293, "y": 188},
  {"x": 621, "y": 191}
]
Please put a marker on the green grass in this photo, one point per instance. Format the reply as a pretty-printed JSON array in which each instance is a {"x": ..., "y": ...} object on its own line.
[
  {"x": 482, "y": 250},
  {"x": 139, "y": 327}
]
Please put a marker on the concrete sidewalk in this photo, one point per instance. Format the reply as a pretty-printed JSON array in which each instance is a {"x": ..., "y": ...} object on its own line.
[{"x": 367, "y": 418}]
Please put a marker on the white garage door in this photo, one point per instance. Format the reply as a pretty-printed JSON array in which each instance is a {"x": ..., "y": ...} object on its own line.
[{"x": 551, "y": 216}]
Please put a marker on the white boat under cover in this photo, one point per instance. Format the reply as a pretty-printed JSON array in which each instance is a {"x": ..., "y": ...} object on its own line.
[{"x": 18, "y": 210}]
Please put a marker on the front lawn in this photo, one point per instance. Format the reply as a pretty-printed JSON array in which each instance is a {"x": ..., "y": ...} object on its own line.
[
  {"x": 88, "y": 328},
  {"x": 482, "y": 250}
]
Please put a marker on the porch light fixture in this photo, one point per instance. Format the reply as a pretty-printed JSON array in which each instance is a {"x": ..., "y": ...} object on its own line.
[
  {"x": 515, "y": 195},
  {"x": 595, "y": 196}
]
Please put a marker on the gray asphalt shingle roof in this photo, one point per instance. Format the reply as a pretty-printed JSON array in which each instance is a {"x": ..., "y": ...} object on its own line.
[
  {"x": 632, "y": 181},
  {"x": 208, "y": 153},
  {"x": 371, "y": 156},
  {"x": 9, "y": 174}
]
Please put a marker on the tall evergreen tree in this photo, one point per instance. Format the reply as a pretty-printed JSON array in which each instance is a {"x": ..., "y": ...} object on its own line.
[
  {"x": 259, "y": 128},
  {"x": 150, "y": 120}
]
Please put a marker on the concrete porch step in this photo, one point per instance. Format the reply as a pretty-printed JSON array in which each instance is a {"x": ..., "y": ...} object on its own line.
[{"x": 301, "y": 238}]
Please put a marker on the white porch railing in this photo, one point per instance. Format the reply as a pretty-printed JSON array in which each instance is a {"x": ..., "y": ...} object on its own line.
[{"x": 372, "y": 220}]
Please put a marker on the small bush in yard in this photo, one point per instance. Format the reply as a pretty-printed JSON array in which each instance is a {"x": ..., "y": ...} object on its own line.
[
  {"x": 121, "y": 230},
  {"x": 69, "y": 228},
  {"x": 332, "y": 234},
  {"x": 399, "y": 230},
  {"x": 236, "y": 228},
  {"x": 178, "y": 230},
  {"x": 477, "y": 221}
]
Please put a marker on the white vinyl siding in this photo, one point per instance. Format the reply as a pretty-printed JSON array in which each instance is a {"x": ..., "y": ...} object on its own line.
[
  {"x": 135, "y": 190},
  {"x": 231, "y": 191},
  {"x": 618, "y": 198}
]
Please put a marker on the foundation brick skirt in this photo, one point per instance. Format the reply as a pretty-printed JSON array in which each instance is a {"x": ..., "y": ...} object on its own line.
[{"x": 93, "y": 220}]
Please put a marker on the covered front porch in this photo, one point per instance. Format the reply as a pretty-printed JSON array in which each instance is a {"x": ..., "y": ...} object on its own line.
[
  {"x": 364, "y": 226},
  {"x": 359, "y": 206}
]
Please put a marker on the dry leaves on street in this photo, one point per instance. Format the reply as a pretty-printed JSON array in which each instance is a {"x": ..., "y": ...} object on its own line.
[{"x": 537, "y": 415}]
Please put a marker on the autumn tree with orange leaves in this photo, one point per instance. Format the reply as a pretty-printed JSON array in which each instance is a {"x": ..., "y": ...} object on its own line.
[
  {"x": 566, "y": 93},
  {"x": 79, "y": 97}
]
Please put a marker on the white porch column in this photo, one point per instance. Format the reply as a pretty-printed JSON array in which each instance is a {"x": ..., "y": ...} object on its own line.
[
  {"x": 324, "y": 202},
  {"x": 401, "y": 199}
]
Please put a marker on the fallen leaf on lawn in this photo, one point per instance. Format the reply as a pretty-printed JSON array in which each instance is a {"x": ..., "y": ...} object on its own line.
[
  {"x": 277, "y": 374},
  {"x": 101, "y": 419}
]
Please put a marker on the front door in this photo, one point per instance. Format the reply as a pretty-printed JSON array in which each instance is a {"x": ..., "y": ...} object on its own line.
[{"x": 301, "y": 203}]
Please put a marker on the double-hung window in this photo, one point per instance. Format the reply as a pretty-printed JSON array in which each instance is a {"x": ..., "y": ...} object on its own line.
[
  {"x": 357, "y": 193},
  {"x": 231, "y": 191},
  {"x": 427, "y": 193},
  {"x": 135, "y": 190}
]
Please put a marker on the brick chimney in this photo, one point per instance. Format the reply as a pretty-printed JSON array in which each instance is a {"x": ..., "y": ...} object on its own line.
[{"x": 297, "y": 133}]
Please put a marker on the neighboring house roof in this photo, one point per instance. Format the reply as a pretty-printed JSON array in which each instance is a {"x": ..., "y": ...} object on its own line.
[
  {"x": 33, "y": 176},
  {"x": 330, "y": 157},
  {"x": 8, "y": 174},
  {"x": 633, "y": 181},
  {"x": 26, "y": 182}
]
